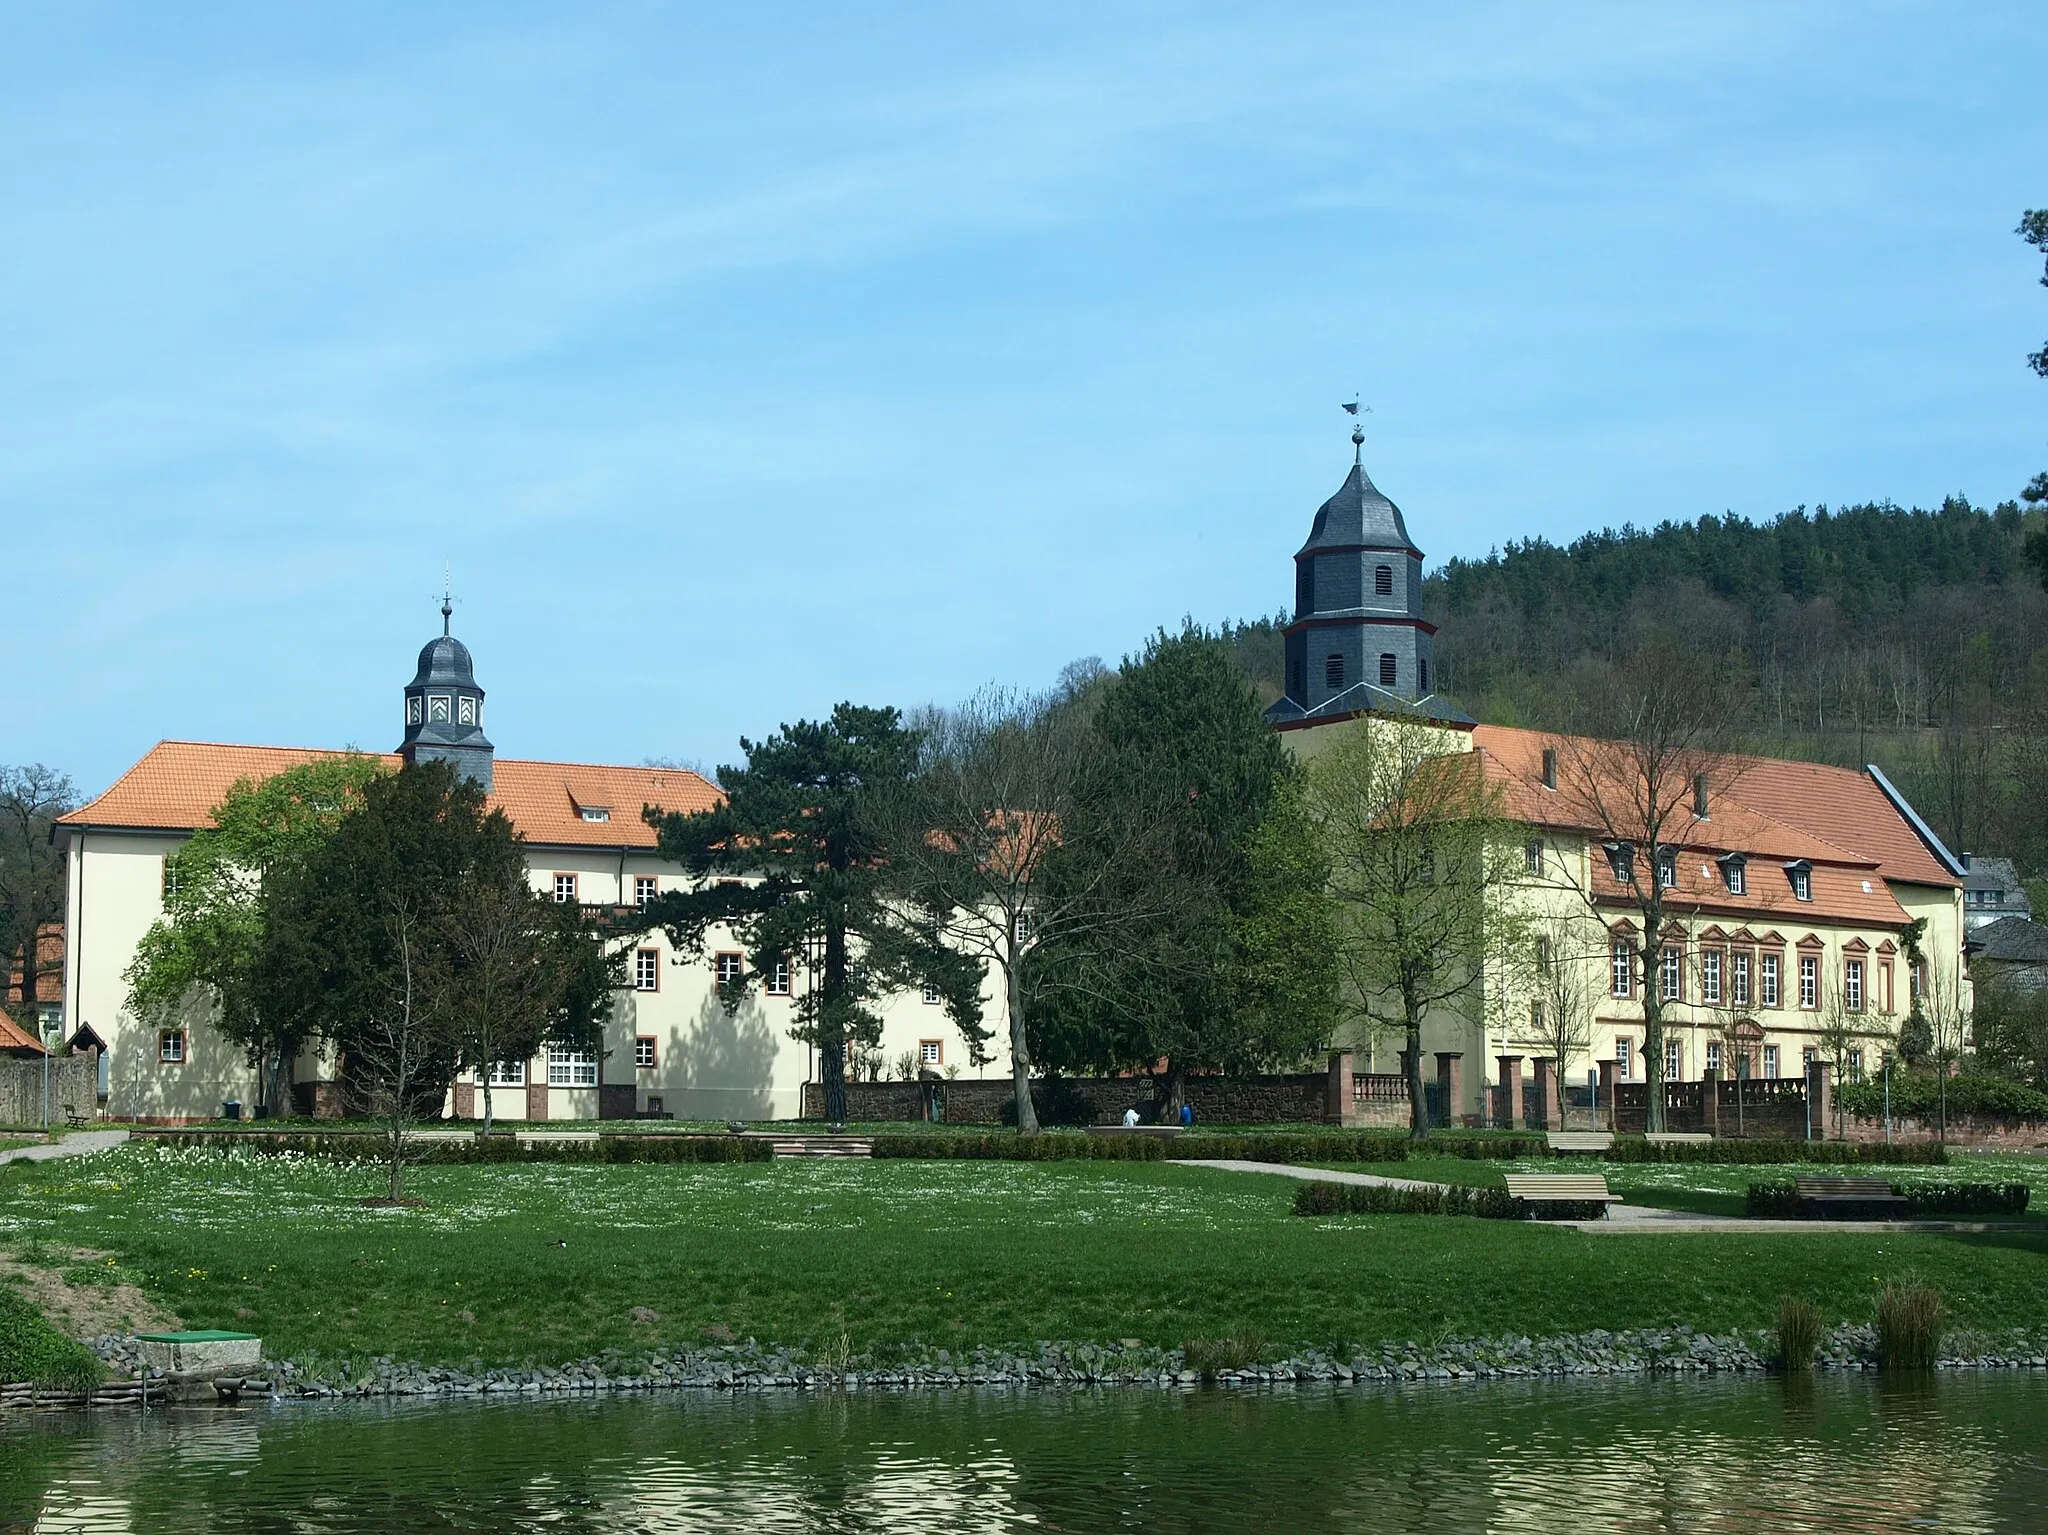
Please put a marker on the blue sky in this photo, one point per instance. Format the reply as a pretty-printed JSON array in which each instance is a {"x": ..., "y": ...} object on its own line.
[{"x": 744, "y": 359}]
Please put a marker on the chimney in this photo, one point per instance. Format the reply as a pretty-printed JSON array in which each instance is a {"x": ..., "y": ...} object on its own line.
[
  {"x": 1699, "y": 796},
  {"x": 1550, "y": 767}
]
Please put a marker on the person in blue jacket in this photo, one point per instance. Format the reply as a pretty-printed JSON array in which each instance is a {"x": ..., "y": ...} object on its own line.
[{"x": 1187, "y": 1115}]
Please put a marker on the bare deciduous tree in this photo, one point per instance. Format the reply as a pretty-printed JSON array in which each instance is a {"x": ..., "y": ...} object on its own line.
[
  {"x": 31, "y": 872},
  {"x": 1645, "y": 788},
  {"x": 1415, "y": 841}
]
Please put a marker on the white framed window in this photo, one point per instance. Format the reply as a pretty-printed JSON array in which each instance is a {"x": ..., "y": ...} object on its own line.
[
  {"x": 647, "y": 970},
  {"x": 412, "y": 711},
  {"x": 727, "y": 967},
  {"x": 507, "y": 1074},
  {"x": 646, "y": 890},
  {"x": 565, "y": 888},
  {"x": 778, "y": 979},
  {"x": 1667, "y": 868},
  {"x": 930, "y": 1052},
  {"x": 1624, "y": 1056},
  {"x": 1714, "y": 1056},
  {"x": 1852, "y": 985},
  {"x": 1024, "y": 927},
  {"x": 1735, "y": 873},
  {"x": 1621, "y": 862},
  {"x": 1855, "y": 1063},
  {"x": 1801, "y": 877},
  {"x": 931, "y": 994},
  {"x": 1536, "y": 1018},
  {"x": 571, "y": 1068},
  {"x": 595, "y": 813},
  {"x": 1740, "y": 977},
  {"x": 1532, "y": 857},
  {"x": 1674, "y": 1060},
  {"x": 1620, "y": 969},
  {"x": 1809, "y": 981},
  {"x": 1670, "y": 973},
  {"x": 465, "y": 710},
  {"x": 643, "y": 1052},
  {"x": 1710, "y": 977},
  {"x": 437, "y": 708},
  {"x": 1768, "y": 990},
  {"x": 173, "y": 882},
  {"x": 1770, "y": 1061},
  {"x": 170, "y": 1046}
]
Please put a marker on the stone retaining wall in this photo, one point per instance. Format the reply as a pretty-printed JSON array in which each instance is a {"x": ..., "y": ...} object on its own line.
[{"x": 1963, "y": 1130}]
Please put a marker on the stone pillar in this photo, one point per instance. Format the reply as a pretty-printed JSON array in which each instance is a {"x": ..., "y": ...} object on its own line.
[
  {"x": 1450, "y": 1084},
  {"x": 1511, "y": 1079},
  {"x": 1339, "y": 1107},
  {"x": 1549, "y": 1099},
  {"x": 465, "y": 1100},
  {"x": 1820, "y": 1099},
  {"x": 1606, "y": 1113},
  {"x": 1710, "y": 1101}
]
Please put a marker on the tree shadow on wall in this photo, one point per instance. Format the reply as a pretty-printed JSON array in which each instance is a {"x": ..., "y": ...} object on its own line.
[{"x": 727, "y": 1052}]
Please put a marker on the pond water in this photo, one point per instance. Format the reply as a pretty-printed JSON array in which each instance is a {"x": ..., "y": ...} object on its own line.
[{"x": 1958, "y": 1453}]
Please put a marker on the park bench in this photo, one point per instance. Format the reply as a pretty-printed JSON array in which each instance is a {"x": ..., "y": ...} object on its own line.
[
  {"x": 1579, "y": 1142},
  {"x": 1847, "y": 1198},
  {"x": 1561, "y": 1188},
  {"x": 73, "y": 1119},
  {"x": 1677, "y": 1137},
  {"x": 823, "y": 1146}
]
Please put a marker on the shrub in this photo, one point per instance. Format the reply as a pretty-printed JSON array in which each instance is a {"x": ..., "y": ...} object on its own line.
[
  {"x": 1798, "y": 1333},
  {"x": 1319, "y": 1198},
  {"x": 1965, "y": 1198},
  {"x": 1909, "y": 1324},
  {"x": 347, "y": 1145},
  {"x": 1346, "y": 1146},
  {"x": 1485, "y": 1148},
  {"x": 1212, "y": 1356},
  {"x": 1746, "y": 1151},
  {"x": 32, "y": 1350},
  {"x": 1024, "y": 1148},
  {"x": 1917, "y": 1095},
  {"x": 1776, "y": 1200}
]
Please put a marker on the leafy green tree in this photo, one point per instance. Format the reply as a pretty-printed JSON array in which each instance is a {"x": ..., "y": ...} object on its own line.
[
  {"x": 211, "y": 933},
  {"x": 796, "y": 862},
  {"x": 361, "y": 945},
  {"x": 31, "y": 873},
  {"x": 1223, "y": 958},
  {"x": 1416, "y": 842}
]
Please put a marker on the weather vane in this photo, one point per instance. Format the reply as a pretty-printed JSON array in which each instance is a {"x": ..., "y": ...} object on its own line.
[
  {"x": 1353, "y": 408},
  {"x": 447, "y": 600}
]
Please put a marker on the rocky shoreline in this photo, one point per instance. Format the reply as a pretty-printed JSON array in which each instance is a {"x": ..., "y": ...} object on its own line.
[{"x": 753, "y": 1367}]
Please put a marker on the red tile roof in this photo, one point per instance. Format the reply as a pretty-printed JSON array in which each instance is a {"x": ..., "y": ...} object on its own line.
[
  {"x": 177, "y": 783},
  {"x": 15, "y": 1040}
]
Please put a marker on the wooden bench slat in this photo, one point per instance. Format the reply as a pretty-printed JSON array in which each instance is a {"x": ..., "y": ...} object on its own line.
[{"x": 1588, "y": 1187}]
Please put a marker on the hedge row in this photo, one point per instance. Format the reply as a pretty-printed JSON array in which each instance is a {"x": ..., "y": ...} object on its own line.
[
  {"x": 348, "y": 1145},
  {"x": 1345, "y": 1146},
  {"x": 1779, "y": 1200},
  {"x": 1917, "y": 1095},
  {"x": 1377, "y": 1199},
  {"x": 1026, "y": 1148},
  {"x": 1817, "y": 1152}
]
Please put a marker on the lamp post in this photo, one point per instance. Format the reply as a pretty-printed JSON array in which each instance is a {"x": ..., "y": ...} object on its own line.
[{"x": 1887, "y": 1097}]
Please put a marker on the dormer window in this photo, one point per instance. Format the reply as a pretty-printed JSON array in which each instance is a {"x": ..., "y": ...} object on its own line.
[
  {"x": 1735, "y": 874},
  {"x": 1800, "y": 876},
  {"x": 1383, "y": 581},
  {"x": 1667, "y": 869},
  {"x": 1621, "y": 861},
  {"x": 1550, "y": 767},
  {"x": 595, "y": 813}
]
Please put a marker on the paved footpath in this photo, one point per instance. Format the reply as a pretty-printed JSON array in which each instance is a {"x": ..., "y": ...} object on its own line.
[
  {"x": 1634, "y": 1220},
  {"x": 77, "y": 1144}
]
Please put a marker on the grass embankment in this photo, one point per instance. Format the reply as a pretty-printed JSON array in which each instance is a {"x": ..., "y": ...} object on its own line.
[
  {"x": 556, "y": 1262},
  {"x": 1717, "y": 1188},
  {"x": 31, "y": 1349}
]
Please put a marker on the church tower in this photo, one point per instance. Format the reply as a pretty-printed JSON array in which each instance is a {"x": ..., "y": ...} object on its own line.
[
  {"x": 1358, "y": 641},
  {"x": 444, "y": 708}
]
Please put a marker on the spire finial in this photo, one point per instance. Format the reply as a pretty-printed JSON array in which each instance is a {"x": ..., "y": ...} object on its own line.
[
  {"x": 1352, "y": 407},
  {"x": 447, "y": 601}
]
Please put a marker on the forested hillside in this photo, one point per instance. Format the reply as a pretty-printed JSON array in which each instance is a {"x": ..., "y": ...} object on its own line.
[{"x": 1916, "y": 640}]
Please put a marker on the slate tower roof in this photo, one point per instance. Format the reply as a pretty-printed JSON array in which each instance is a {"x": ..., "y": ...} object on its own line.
[
  {"x": 1359, "y": 642},
  {"x": 444, "y": 708}
]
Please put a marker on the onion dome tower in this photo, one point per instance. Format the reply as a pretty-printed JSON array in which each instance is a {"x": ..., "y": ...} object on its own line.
[
  {"x": 1359, "y": 642},
  {"x": 444, "y": 708}
]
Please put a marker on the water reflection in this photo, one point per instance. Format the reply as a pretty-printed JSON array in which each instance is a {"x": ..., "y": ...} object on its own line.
[{"x": 1957, "y": 1454}]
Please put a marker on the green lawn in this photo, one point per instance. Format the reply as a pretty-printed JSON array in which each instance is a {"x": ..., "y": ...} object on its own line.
[{"x": 548, "y": 1263}]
